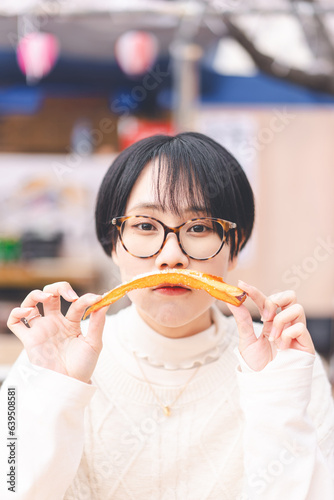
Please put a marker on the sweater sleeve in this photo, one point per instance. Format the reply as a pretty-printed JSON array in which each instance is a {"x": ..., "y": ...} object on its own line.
[
  {"x": 289, "y": 428},
  {"x": 47, "y": 444}
]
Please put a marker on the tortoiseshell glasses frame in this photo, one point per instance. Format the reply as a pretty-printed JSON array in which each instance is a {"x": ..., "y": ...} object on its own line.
[{"x": 224, "y": 225}]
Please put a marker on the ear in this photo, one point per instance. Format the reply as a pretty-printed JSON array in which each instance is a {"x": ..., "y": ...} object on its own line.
[{"x": 232, "y": 264}]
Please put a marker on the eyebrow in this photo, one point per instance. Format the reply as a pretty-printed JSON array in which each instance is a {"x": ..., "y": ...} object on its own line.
[{"x": 160, "y": 208}]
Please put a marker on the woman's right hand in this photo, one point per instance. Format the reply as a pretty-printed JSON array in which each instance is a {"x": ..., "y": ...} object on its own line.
[{"x": 55, "y": 341}]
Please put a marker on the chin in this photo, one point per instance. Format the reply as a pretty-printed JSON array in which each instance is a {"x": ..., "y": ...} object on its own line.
[
  {"x": 171, "y": 312},
  {"x": 171, "y": 316}
]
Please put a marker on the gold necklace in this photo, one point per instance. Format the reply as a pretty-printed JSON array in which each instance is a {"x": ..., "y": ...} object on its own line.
[{"x": 167, "y": 409}]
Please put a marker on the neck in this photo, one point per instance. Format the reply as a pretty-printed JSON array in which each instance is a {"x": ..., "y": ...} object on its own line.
[{"x": 195, "y": 326}]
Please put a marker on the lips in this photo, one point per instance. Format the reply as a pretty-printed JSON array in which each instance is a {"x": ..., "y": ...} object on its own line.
[
  {"x": 171, "y": 285},
  {"x": 171, "y": 290}
]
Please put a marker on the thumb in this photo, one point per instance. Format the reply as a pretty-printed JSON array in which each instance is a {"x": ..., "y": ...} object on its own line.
[
  {"x": 244, "y": 322},
  {"x": 95, "y": 329}
]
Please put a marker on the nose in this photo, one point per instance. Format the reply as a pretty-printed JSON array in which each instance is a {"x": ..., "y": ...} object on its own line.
[{"x": 171, "y": 255}]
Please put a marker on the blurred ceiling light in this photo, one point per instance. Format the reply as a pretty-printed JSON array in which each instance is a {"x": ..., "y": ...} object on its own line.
[
  {"x": 232, "y": 59},
  {"x": 37, "y": 54},
  {"x": 136, "y": 52}
]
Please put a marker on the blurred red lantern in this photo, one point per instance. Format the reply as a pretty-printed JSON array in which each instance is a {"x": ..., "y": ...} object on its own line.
[
  {"x": 136, "y": 52},
  {"x": 37, "y": 54}
]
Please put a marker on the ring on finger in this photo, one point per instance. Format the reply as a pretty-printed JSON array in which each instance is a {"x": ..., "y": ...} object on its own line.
[
  {"x": 26, "y": 321},
  {"x": 38, "y": 315}
]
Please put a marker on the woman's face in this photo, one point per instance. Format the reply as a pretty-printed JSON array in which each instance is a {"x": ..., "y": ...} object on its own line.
[{"x": 173, "y": 312}]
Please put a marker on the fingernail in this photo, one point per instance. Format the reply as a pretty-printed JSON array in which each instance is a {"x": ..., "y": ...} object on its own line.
[
  {"x": 48, "y": 294},
  {"x": 242, "y": 284},
  {"x": 72, "y": 294},
  {"x": 27, "y": 309},
  {"x": 265, "y": 314},
  {"x": 273, "y": 334}
]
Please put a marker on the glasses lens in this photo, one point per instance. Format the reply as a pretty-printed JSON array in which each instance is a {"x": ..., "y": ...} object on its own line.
[
  {"x": 202, "y": 238},
  {"x": 142, "y": 236}
]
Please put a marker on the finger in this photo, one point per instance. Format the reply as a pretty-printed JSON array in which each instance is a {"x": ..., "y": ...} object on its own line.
[
  {"x": 77, "y": 309},
  {"x": 284, "y": 299},
  {"x": 266, "y": 307},
  {"x": 14, "y": 322},
  {"x": 297, "y": 337},
  {"x": 244, "y": 323},
  {"x": 276, "y": 302},
  {"x": 95, "y": 329},
  {"x": 34, "y": 297},
  {"x": 59, "y": 289},
  {"x": 293, "y": 314}
]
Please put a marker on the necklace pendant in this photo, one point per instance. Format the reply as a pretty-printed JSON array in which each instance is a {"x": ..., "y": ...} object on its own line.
[{"x": 166, "y": 410}]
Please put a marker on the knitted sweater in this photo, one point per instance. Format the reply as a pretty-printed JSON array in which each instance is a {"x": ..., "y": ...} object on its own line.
[{"x": 233, "y": 433}]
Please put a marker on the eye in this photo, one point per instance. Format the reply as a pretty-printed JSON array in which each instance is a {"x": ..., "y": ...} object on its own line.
[
  {"x": 145, "y": 226},
  {"x": 200, "y": 228}
]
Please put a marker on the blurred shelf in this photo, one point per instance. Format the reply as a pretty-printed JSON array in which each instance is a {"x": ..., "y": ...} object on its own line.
[{"x": 31, "y": 274}]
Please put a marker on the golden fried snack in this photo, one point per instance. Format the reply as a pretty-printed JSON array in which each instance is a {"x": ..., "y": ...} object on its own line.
[{"x": 214, "y": 285}]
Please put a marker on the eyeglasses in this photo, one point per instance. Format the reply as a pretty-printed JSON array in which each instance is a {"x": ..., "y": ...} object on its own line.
[{"x": 201, "y": 239}]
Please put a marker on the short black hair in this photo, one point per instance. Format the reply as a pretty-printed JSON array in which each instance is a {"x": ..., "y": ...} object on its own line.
[{"x": 191, "y": 166}]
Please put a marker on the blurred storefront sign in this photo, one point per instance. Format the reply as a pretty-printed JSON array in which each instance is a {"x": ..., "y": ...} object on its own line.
[{"x": 132, "y": 129}]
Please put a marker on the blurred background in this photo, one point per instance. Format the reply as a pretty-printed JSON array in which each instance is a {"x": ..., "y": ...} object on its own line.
[{"x": 81, "y": 80}]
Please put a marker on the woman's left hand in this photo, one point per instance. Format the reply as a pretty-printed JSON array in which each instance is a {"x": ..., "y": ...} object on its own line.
[{"x": 285, "y": 329}]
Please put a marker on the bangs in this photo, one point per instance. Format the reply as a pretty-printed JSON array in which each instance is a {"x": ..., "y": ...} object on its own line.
[
  {"x": 177, "y": 184},
  {"x": 190, "y": 174}
]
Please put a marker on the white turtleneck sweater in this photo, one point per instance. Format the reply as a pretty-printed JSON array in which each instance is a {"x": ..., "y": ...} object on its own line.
[{"x": 233, "y": 433}]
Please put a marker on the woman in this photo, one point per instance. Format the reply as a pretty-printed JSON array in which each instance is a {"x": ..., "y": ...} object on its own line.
[{"x": 182, "y": 402}]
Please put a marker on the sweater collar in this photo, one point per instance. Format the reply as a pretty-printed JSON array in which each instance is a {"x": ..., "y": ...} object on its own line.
[{"x": 174, "y": 354}]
